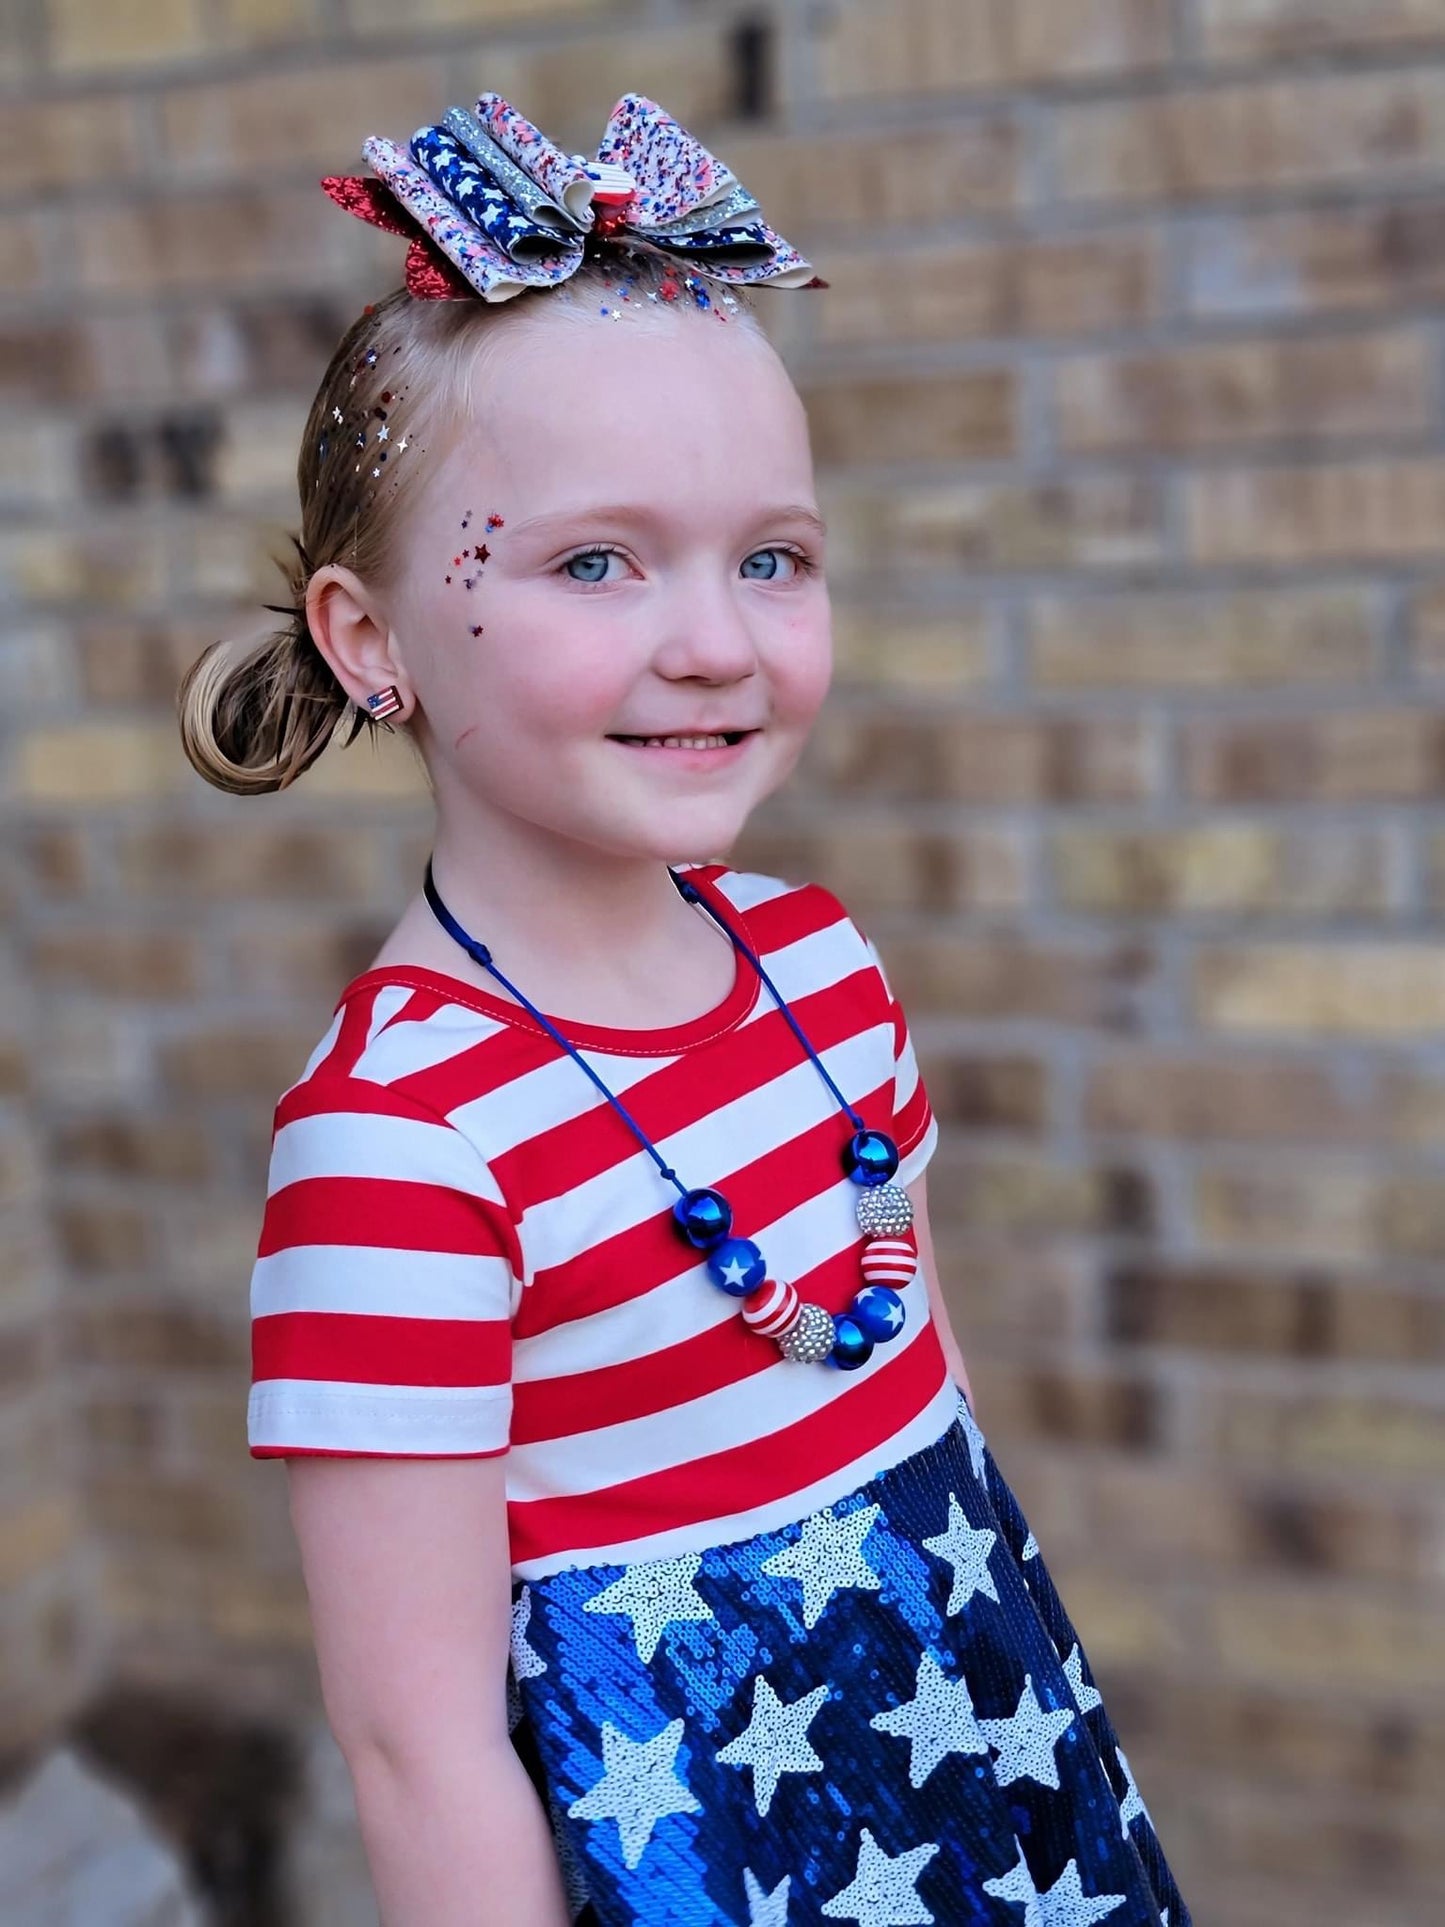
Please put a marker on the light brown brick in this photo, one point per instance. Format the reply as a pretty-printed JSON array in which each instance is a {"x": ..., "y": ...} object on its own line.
[
  {"x": 990, "y": 1093},
  {"x": 121, "y": 569},
  {"x": 371, "y": 16},
  {"x": 289, "y": 237},
  {"x": 1147, "y": 1094},
  {"x": 1336, "y": 511},
  {"x": 1222, "y": 867},
  {"x": 1112, "y": 1407},
  {"x": 1003, "y": 976},
  {"x": 95, "y": 763},
  {"x": 71, "y": 143},
  {"x": 1240, "y": 392},
  {"x": 965, "y": 415},
  {"x": 1319, "y": 1210},
  {"x": 103, "y": 1237},
  {"x": 1385, "y": 255},
  {"x": 36, "y": 1537},
  {"x": 881, "y": 865},
  {"x": 268, "y": 23},
  {"x": 147, "y": 33},
  {"x": 1004, "y": 1293},
  {"x": 835, "y": 184},
  {"x": 301, "y": 956},
  {"x": 981, "y": 758},
  {"x": 22, "y": 253},
  {"x": 1311, "y": 1638},
  {"x": 154, "y": 1336},
  {"x": 1034, "y": 288},
  {"x": 925, "y": 46},
  {"x": 1347, "y": 989},
  {"x": 1411, "y": 1216},
  {"x": 109, "y": 960},
  {"x": 1377, "y": 127},
  {"x": 1348, "y": 756},
  {"x": 1093, "y": 522},
  {"x": 886, "y": 647},
  {"x": 569, "y": 84},
  {"x": 1342, "y": 1434},
  {"x": 218, "y": 131},
  {"x": 168, "y": 1148},
  {"x": 1267, "y": 29},
  {"x": 1412, "y": 1105},
  {"x": 1427, "y": 630},
  {"x": 248, "y": 860},
  {"x": 1214, "y": 641}
]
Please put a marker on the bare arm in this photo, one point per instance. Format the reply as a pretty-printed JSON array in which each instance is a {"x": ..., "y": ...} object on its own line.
[
  {"x": 408, "y": 1575},
  {"x": 928, "y": 1264}
]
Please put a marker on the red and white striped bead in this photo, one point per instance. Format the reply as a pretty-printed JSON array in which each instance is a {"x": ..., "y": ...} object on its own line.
[
  {"x": 773, "y": 1309},
  {"x": 891, "y": 1261}
]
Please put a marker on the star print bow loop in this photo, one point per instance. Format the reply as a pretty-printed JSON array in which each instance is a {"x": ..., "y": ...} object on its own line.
[{"x": 491, "y": 206}]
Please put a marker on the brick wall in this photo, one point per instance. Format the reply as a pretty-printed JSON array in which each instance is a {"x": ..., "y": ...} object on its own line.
[{"x": 1131, "y": 432}]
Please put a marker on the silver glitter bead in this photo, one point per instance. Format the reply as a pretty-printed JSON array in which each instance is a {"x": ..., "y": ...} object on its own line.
[
  {"x": 811, "y": 1339},
  {"x": 884, "y": 1210}
]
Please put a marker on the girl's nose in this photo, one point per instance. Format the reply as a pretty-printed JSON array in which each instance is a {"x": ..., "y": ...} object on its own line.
[{"x": 707, "y": 635}]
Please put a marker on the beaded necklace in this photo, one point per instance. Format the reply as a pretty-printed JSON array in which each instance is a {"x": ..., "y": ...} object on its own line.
[{"x": 769, "y": 1306}]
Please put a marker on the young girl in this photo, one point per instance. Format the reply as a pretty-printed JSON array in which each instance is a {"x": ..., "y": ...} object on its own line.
[{"x": 659, "y": 1570}]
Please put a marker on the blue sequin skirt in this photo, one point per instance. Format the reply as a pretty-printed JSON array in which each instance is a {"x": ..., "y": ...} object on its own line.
[{"x": 878, "y": 1714}]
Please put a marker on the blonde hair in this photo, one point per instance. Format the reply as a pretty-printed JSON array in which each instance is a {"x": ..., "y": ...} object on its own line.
[{"x": 255, "y": 715}]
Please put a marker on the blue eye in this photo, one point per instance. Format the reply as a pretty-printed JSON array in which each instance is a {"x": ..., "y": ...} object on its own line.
[
  {"x": 773, "y": 576},
  {"x": 591, "y": 555}
]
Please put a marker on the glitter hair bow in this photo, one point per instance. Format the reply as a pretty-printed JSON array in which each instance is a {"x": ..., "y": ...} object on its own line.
[{"x": 491, "y": 206}]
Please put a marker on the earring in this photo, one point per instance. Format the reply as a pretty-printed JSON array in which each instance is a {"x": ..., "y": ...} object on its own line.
[{"x": 384, "y": 702}]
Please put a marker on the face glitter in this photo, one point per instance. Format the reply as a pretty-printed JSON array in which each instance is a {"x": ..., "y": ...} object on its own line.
[{"x": 495, "y": 522}]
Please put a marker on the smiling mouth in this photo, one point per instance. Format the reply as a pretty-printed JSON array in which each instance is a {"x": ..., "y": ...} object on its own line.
[{"x": 722, "y": 740}]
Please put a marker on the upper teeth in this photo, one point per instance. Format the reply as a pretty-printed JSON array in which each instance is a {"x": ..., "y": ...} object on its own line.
[{"x": 681, "y": 742}]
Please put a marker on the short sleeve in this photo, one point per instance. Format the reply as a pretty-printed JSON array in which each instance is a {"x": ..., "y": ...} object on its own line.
[
  {"x": 915, "y": 1129},
  {"x": 382, "y": 1293}
]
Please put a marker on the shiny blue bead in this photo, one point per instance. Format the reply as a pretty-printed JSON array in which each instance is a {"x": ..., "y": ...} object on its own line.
[
  {"x": 737, "y": 1266},
  {"x": 871, "y": 1157},
  {"x": 852, "y": 1346},
  {"x": 703, "y": 1217},
  {"x": 879, "y": 1311}
]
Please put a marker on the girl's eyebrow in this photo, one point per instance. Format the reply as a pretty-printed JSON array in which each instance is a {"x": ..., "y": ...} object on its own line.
[{"x": 640, "y": 516}]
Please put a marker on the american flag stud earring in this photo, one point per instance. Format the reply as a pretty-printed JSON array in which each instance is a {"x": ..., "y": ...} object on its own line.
[{"x": 384, "y": 702}]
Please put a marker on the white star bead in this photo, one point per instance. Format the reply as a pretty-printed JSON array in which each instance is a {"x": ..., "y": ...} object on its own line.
[
  {"x": 938, "y": 1720},
  {"x": 652, "y": 1595},
  {"x": 967, "y": 1551},
  {"x": 883, "y": 1892},
  {"x": 526, "y": 1662},
  {"x": 827, "y": 1558},
  {"x": 1131, "y": 1807},
  {"x": 1067, "y": 1905},
  {"x": 734, "y": 1271},
  {"x": 774, "y": 1742},
  {"x": 766, "y": 1910},
  {"x": 1025, "y": 1743},
  {"x": 1086, "y": 1697},
  {"x": 638, "y": 1786}
]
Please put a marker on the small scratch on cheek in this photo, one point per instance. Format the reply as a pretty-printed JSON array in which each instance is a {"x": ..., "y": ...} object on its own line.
[{"x": 464, "y": 735}]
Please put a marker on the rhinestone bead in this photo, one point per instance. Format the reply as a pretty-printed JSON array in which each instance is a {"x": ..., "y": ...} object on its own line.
[
  {"x": 852, "y": 1346},
  {"x": 883, "y": 1210},
  {"x": 811, "y": 1339}
]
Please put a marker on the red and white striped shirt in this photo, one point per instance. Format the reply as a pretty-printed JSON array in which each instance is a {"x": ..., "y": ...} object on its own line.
[{"x": 466, "y": 1252}]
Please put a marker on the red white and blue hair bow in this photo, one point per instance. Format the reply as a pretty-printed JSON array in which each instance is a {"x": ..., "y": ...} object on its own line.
[{"x": 491, "y": 206}]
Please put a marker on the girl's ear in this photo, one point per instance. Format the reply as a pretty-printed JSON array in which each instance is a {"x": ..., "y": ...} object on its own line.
[{"x": 348, "y": 627}]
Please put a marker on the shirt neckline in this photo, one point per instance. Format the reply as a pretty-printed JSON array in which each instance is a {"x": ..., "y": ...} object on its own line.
[{"x": 617, "y": 1040}]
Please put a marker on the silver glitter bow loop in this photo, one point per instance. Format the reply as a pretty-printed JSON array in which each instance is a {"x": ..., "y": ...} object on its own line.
[{"x": 510, "y": 210}]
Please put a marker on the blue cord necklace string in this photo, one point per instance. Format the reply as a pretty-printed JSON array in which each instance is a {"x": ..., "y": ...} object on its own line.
[{"x": 704, "y": 1217}]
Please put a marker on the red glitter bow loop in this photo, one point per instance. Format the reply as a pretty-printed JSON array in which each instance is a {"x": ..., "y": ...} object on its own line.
[{"x": 491, "y": 206}]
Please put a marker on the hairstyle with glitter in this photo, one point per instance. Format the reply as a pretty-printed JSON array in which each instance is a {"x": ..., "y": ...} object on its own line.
[{"x": 254, "y": 716}]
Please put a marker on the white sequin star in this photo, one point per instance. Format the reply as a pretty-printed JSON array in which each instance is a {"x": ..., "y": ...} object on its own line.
[
  {"x": 1067, "y": 1905},
  {"x": 883, "y": 1892},
  {"x": 652, "y": 1595},
  {"x": 774, "y": 1742},
  {"x": 967, "y": 1551},
  {"x": 638, "y": 1786},
  {"x": 1131, "y": 1807},
  {"x": 1025, "y": 1743},
  {"x": 526, "y": 1661},
  {"x": 1031, "y": 1548},
  {"x": 767, "y": 1910},
  {"x": 1086, "y": 1698},
  {"x": 828, "y": 1558},
  {"x": 1017, "y": 1886},
  {"x": 975, "y": 1438},
  {"x": 938, "y": 1720}
]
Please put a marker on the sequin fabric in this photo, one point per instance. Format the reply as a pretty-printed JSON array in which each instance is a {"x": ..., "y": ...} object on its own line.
[{"x": 878, "y": 1714}]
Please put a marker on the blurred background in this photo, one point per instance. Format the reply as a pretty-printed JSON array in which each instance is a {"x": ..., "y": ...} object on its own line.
[{"x": 1128, "y": 398}]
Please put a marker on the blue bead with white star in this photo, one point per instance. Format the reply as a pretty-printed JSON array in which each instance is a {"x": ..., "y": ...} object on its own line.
[{"x": 737, "y": 1266}]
